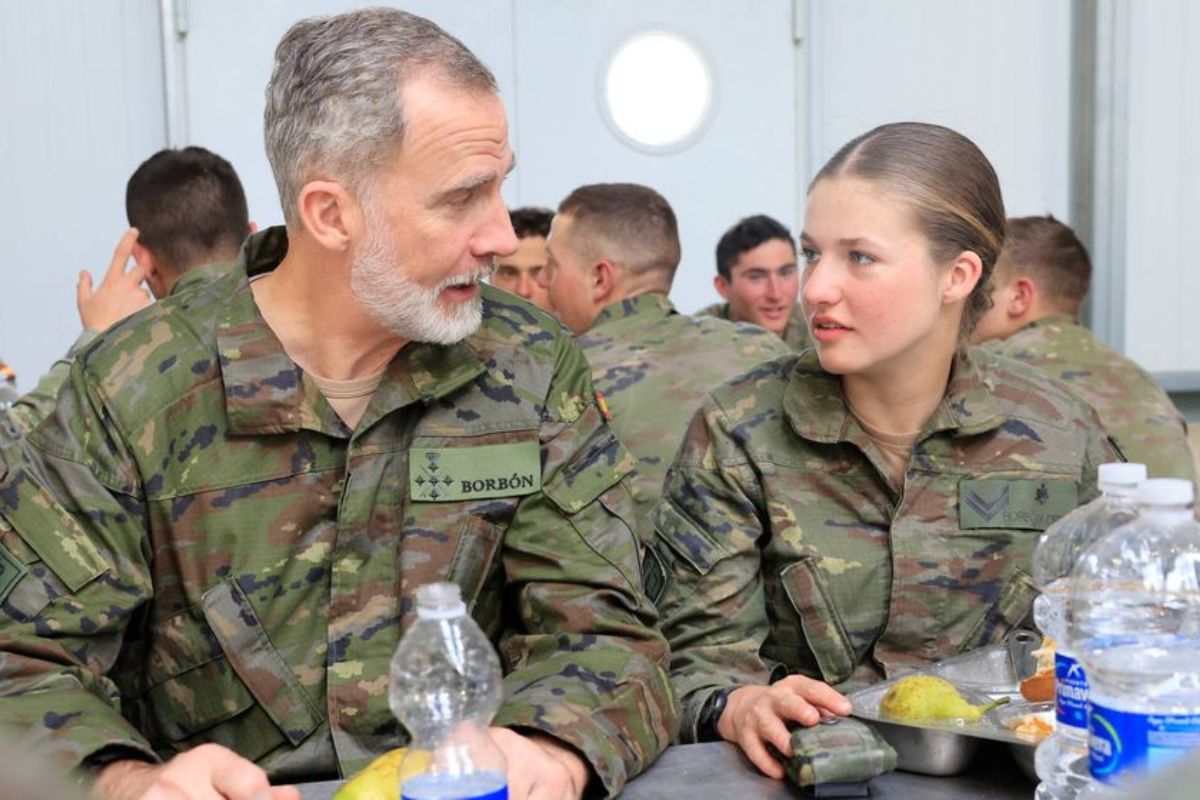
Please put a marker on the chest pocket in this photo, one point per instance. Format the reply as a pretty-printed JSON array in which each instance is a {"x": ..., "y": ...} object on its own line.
[{"x": 214, "y": 676}]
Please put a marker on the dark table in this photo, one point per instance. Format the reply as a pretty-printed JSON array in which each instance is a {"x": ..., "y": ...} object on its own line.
[{"x": 718, "y": 770}]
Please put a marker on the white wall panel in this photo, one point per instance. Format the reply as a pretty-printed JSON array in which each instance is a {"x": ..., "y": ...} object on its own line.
[
  {"x": 80, "y": 108},
  {"x": 1162, "y": 280},
  {"x": 997, "y": 72}
]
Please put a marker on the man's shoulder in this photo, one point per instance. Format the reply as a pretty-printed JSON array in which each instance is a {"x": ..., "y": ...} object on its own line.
[
  {"x": 162, "y": 348},
  {"x": 718, "y": 310},
  {"x": 509, "y": 321}
]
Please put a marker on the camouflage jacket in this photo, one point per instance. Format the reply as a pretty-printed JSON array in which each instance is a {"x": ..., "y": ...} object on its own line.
[
  {"x": 654, "y": 367},
  {"x": 782, "y": 547},
  {"x": 248, "y": 563},
  {"x": 795, "y": 335},
  {"x": 1133, "y": 408},
  {"x": 36, "y": 404}
]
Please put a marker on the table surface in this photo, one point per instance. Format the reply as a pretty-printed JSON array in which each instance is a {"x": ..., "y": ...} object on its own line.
[{"x": 722, "y": 772}]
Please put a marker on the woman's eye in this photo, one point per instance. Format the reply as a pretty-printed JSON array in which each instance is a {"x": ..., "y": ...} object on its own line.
[
  {"x": 861, "y": 258},
  {"x": 809, "y": 255}
]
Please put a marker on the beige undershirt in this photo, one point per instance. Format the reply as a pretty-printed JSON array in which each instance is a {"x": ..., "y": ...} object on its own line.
[
  {"x": 349, "y": 399},
  {"x": 896, "y": 448}
]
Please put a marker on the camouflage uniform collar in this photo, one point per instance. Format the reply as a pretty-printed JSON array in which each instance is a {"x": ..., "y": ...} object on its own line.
[
  {"x": 816, "y": 407},
  {"x": 1051, "y": 320},
  {"x": 643, "y": 305},
  {"x": 198, "y": 276},
  {"x": 265, "y": 391}
]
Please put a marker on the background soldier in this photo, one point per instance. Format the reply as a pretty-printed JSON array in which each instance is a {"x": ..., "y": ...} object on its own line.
[
  {"x": 1041, "y": 281},
  {"x": 266, "y": 468},
  {"x": 759, "y": 279},
  {"x": 614, "y": 249},
  {"x": 518, "y": 271},
  {"x": 188, "y": 217}
]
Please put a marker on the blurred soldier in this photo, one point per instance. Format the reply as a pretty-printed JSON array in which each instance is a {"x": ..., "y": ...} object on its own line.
[
  {"x": 264, "y": 470},
  {"x": 614, "y": 249},
  {"x": 1041, "y": 280},
  {"x": 758, "y": 277},
  {"x": 518, "y": 271},
  {"x": 8, "y": 385},
  {"x": 188, "y": 216}
]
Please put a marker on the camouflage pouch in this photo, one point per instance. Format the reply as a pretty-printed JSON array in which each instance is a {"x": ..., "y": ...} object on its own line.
[{"x": 840, "y": 756}]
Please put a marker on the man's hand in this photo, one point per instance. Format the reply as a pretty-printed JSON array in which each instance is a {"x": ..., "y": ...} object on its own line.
[
  {"x": 120, "y": 293},
  {"x": 756, "y": 715},
  {"x": 540, "y": 767},
  {"x": 207, "y": 772}
]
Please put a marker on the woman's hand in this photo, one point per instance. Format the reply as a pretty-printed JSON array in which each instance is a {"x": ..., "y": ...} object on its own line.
[{"x": 756, "y": 715}]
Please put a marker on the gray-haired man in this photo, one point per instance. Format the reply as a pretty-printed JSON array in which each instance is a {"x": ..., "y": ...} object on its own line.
[{"x": 264, "y": 470}]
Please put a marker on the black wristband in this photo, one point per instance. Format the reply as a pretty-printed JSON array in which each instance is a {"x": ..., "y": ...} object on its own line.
[{"x": 710, "y": 715}]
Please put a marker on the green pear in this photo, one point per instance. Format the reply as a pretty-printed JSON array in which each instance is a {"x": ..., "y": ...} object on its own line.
[{"x": 924, "y": 698}]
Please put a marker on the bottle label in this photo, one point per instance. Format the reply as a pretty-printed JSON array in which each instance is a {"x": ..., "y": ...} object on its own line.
[
  {"x": 1127, "y": 741},
  {"x": 477, "y": 786},
  {"x": 1070, "y": 692}
]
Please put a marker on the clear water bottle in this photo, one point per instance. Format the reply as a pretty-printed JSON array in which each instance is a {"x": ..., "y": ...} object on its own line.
[
  {"x": 1062, "y": 759},
  {"x": 446, "y": 685},
  {"x": 1135, "y": 617}
]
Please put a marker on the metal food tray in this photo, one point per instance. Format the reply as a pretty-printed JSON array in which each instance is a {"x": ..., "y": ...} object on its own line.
[{"x": 947, "y": 747}]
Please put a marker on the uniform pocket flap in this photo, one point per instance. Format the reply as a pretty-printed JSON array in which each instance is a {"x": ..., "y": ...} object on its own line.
[
  {"x": 190, "y": 703},
  {"x": 51, "y": 532},
  {"x": 689, "y": 541},
  {"x": 822, "y": 627},
  {"x": 260, "y": 666},
  {"x": 596, "y": 468}
]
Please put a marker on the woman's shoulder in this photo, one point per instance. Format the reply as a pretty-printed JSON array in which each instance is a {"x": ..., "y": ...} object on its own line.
[
  {"x": 1024, "y": 391},
  {"x": 765, "y": 383}
]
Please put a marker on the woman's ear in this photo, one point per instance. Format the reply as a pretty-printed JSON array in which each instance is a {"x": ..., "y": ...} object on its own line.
[{"x": 961, "y": 277}]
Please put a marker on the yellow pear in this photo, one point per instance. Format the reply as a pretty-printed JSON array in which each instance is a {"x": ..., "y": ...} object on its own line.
[
  {"x": 923, "y": 698},
  {"x": 380, "y": 780}
]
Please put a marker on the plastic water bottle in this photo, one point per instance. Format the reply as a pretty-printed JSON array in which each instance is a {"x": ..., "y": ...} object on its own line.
[
  {"x": 1135, "y": 616},
  {"x": 446, "y": 685},
  {"x": 1062, "y": 759}
]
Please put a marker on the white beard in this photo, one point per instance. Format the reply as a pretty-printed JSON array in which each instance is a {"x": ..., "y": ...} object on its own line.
[{"x": 378, "y": 281}]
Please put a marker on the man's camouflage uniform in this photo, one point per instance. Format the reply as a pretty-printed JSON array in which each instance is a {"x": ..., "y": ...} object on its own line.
[
  {"x": 247, "y": 563},
  {"x": 795, "y": 335},
  {"x": 1133, "y": 408},
  {"x": 782, "y": 547},
  {"x": 654, "y": 367},
  {"x": 38, "y": 403}
]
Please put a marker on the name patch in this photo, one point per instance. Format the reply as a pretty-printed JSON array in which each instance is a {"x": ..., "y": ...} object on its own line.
[
  {"x": 450, "y": 474},
  {"x": 1028, "y": 504}
]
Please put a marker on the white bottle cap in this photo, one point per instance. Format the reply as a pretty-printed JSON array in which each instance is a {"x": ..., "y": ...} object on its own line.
[
  {"x": 440, "y": 601},
  {"x": 1120, "y": 478},
  {"x": 1166, "y": 492}
]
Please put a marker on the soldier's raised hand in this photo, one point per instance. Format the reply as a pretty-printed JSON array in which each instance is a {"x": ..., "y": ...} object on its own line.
[
  {"x": 120, "y": 292},
  {"x": 207, "y": 772},
  {"x": 757, "y": 715}
]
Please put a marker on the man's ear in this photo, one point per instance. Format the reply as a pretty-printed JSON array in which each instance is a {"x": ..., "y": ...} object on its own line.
[
  {"x": 1023, "y": 296},
  {"x": 330, "y": 214},
  {"x": 962, "y": 275},
  {"x": 253, "y": 228},
  {"x": 157, "y": 279},
  {"x": 722, "y": 286},
  {"x": 604, "y": 282}
]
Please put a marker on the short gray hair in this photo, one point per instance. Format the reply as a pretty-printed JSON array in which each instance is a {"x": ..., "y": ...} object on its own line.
[{"x": 334, "y": 105}]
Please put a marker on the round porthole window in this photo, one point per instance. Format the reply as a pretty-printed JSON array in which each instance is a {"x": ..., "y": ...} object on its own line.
[{"x": 657, "y": 91}]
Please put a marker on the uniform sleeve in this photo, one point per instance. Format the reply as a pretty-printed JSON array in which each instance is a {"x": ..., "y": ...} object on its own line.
[
  {"x": 587, "y": 664},
  {"x": 712, "y": 604},
  {"x": 72, "y": 535},
  {"x": 37, "y": 404}
]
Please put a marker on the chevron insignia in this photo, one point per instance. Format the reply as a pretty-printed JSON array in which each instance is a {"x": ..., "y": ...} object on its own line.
[{"x": 987, "y": 508}]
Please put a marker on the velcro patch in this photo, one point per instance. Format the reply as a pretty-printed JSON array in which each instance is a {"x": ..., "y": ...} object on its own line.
[
  {"x": 1026, "y": 504},
  {"x": 451, "y": 474},
  {"x": 11, "y": 572}
]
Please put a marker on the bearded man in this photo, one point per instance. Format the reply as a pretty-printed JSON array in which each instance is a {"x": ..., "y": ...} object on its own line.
[{"x": 257, "y": 475}]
